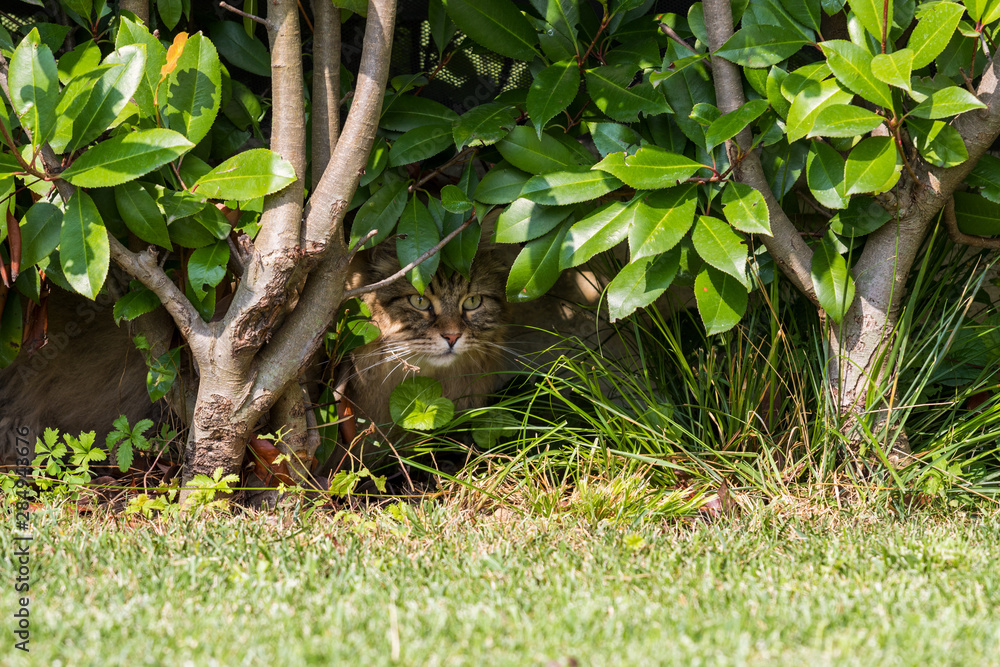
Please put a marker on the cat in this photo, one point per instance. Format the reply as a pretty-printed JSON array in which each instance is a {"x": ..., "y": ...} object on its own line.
[{"x": 454, "y": 332}]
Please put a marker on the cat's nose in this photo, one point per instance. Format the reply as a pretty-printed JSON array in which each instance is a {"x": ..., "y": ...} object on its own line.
[{"x": 452, "y": 338}]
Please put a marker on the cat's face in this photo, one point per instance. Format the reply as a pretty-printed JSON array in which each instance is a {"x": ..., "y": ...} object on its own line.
[{"x": 454, "y": 319}]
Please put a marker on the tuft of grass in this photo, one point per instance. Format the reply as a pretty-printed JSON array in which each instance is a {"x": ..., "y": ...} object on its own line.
[{"x": 436, "y": 583}]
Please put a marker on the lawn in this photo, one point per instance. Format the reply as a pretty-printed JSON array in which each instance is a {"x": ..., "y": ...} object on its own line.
[{"x": 433, "y": 584}]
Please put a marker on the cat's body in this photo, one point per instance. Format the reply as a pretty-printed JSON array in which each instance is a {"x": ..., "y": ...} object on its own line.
[{"x": 454, "y": 333}]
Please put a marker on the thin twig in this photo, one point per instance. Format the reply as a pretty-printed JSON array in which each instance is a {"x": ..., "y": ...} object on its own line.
[
  {"x": 958, "y": 236},
  {"x": 358, "y": 291},
  {"x": 460, "y": 157},
  {"x": 669, "y": 32},
  {"x": 242, "y": 13},
  {"x": 361, "y": 242}
]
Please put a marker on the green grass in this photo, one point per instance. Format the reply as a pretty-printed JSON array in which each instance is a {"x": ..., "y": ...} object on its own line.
[{"x": 438, "y": 585}]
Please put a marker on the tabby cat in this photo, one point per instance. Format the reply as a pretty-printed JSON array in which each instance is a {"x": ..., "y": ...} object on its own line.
[{"x": 453, "y": 333}]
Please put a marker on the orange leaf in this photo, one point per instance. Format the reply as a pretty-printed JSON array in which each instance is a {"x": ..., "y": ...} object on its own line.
[{"x": 173, "y": 54}]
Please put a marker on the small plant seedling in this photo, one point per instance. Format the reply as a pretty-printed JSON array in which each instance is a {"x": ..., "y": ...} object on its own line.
[{"x": 125, "y": 440}]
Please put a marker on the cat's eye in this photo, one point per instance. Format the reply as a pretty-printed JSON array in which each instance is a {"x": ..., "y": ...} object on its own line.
[
  {"x": 420, "y": 302},
  {"x": 472, "y": 302}
]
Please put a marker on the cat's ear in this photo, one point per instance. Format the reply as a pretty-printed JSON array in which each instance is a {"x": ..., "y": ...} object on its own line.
[{"x": 489, "y": 228}]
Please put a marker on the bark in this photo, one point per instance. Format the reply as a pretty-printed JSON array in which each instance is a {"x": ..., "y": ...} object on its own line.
[
  {"x": 859, "y": 347},
  {"x": 138, "y": 7}
]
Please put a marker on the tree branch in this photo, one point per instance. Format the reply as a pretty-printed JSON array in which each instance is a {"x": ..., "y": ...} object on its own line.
[
  {"x": 358, "y": 291},
  {"x": 785, "y": 244},
  {"x": 326, "y": 86},
  {"x": 239, "y": 12},
  {"x": 958, "y": 236}
]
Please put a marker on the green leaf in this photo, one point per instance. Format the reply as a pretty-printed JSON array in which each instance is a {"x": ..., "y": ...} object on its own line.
[
  {"x": 808, "y": 103},
  {"x": 525, "y": 220},
  {"x": 524, "y": 149},
  {"x": 863, "y": 216},
  {"x": 870, "y": 165},
  {"x": 936, "y": 23},
  {"x": 239, "y": 48},
  {"x": 126, "y": 157},
  {"x": 601, "y": 230},
  {"x": 33, "y": 81},
  {"x": 775, "y": 77},
  {"x": 419, "y": 144},
  {"x": 611, "y": 91},
  {"x": 83, "y": 58},
  {"x": 641, "y": 283},
  {"x": 949, "y": 101},
  {"x": 248, "y": 175},
  {"x": 976, "y": 216},
  {"x": 162, "y": 374},
  {"x": 403, "y": 113},
  {"x": 871, "y": 14},
  {"x": 568, "y": 187},
  {"x": 156, "y": 56},
  {"x": 536, "y": 268},
  {"x": 497, "y": 25},
  {"x": 484, "y": 125},
  {"x": 460, "y": 252},
  {"x": 169, "y": 11},
  {"x": 938, "y": 143},
  {"x": 852, "y": 66},
  {"x": 418, "y": 233},
  {"x": 84, "y": 250},
  {"x": 207, "y": 267},
  {"x": 454, "y": 200},
  {"x": 721, "y": 300},
  {"x": 831, "y": 279},
  {"x": 612, "y": 137},
  {"x": 380, "y": 212},
  {"x": 190, "y": 98},
  {"x": 552, "y": 91},
  {"x": 40, "y": 230},
  {"x": 729, "y": 125},
  {"x": 805, "y": 12},
  {"x": 895, "y": 68},
  {"x": 11, "y": 331},
  {"x": 141, "y": 214},
  {"x": 986, "y": 176},
  {"x": 110, "y": 94},
  {"x": 745, "y": 209},
  {"x": 650, "y": 167},
  {"x": 135, "y": 303},
  {"x": 761, "y": 45},
  {"x": 844, "y": 120},
  {"x": 661, "y": 220},
  {"x": 416, "y": 403},
  {"x": 825, "y": 176},
  {"x": 501, "y": 185},
  {"x": 721, "y": 247}
]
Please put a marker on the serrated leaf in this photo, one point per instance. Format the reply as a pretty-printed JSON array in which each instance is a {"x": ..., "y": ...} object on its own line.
[
  {"x": 126, "y": 157},
  {"x": 825, "y": 176},
  {"x": 938, "y": 143},
  {"x": 501, "y": 185},
  {"x": 895, "y": 68},
  {"x": 852, "y": 66},
  {"x": 403, "y": 113},
  {"x": 33, "y": 80},
  {"x": 745, "y": 209},
  {"x": 135, "y": 304},
  {"x": 525, "y": 220},
  {"x": 81, "y": 59},
  {"x": 946, "y": 102},
  {"x": 524, "y": 149},
  {"x": 870, "y": 165},
  {"x": 536, "y": 267},
  {"x": 380, "y": 212},
  {"x": 130, "y": 32},
  {"x": 729, "y": 125},
  {"x": 40, "y": 230},
  {"x": 454, "y": 200},
  {"x": 484, "y": 125},
  {"x": 761, "y": 45},
  {"x": 84, "y": 250},
  {"x": 248, "y": 175},
  {"x": 418, "y": 233},
  {"x": 936, "y": 25},
  {"x": 419, "y": 144},
  {"x": 808, "y": 103},
  {"x": 844, "y": 120},
  {"x": 568, "y": 187},
  {"x": 611, "y": 91},
  {"x": 863, "y": 216},
  {"x": 240, "y": 49},
  {"x": 831, "y": 279},
  {"x": 641, "y": 283},
  {"x": 721, "y": 300},
  {"x": 190, "y": 98},
  {"x": 207, "y": 267},
  {"x": 497, "y": 25},
  {"x": 721, "y": 247},
  {"x": 552, "y": 91},
  {"x": 599, "y": 231},
  {"x": 871, "y": 14},
  {"x": 660, "y": 221},
  {"x": 416, "y": 403},
  {"x": 976, "y": 215},
  {"x": 110, "y": 94},
  {"x": 650, "y": 167},
  {"x": 141, "y": 214}
]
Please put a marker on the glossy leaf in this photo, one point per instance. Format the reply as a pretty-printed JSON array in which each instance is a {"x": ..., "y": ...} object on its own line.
[
  {"x": 136, "y": 303},
  {"x": 419, "y": 144},
  {"x": 496, "y": 24},
  {"x": 863, "y": 216},
  {"x": 524, "y": 149},
  {"x": 894, "y": 68},
  {"x": 871, "y": 14},
  {"x": 130, "y": 32},
  {"x": 418, "y": 233},
  {"x": 484, "y": 125},
  {"x": 946, "y": 102},
  {"x": 141, "y": 214},
  {"x": 379, "y": 213},
  {"x": 641, "y": 283},
  {"x": 525, "y": 220},
  {"x": 192, "y": 92},
  {"x": 976, "y": 216},
  {"x": 831, "y": 279},
  {"x": 536, "y": 267},
  {"x": 110, "y": 94},
  {"x": 761, "y": 45},
  {"x": 852, "y": 66},
  {"x": 454, "y": 200},
  {"x": 40, "y": 230},
  {"x": 938, "y": 143},
  {"x": 240, "y": 49},
  {"x": 207, "y": 267},
  {"x": 568, "y": 187},
  {"x": 825, "y": 176},
  {"x": 601, "y": 230},
  {"x": 661, "y": 220},
  {"x": 870, "y": 165},
  {"x": 729, "y": 125},
  {"x": 844, "y": 120},
  {"x": 126, "y": 157},
  {"x": 84, "y": 250},
  {"x": 721, "y": 247},
  {"x": 552, "y": 91},
  {"x": 33, "y": 80},
  {"x": 649, "y": 168},
  {"x": 612, "y": 92},
  {"x": 501, "y": 185},
  {"x": 745, "y": 209},
  {"x": 936, "y": 25},
  {"x": 405, "y": 112},
  {"x": 808, "y": 103},
  {"x": 247, "y": 175},
  {"x": 417, "y": 403},
  {"x": 721, "y": 300}
]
